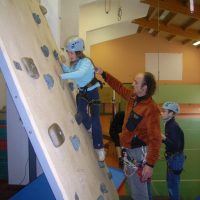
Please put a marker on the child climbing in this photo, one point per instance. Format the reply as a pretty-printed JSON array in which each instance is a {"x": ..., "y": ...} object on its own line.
[{"x": 82, "y": 71}]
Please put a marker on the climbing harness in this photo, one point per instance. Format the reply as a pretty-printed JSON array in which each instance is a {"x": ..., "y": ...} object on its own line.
[{"x": 90, "y": 84}]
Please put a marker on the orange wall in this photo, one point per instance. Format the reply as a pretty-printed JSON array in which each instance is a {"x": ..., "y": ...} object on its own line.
[{"x": 125, "y": 57}]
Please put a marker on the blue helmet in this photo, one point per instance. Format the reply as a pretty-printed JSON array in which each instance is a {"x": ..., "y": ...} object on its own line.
[
  {"x": 173, "y": 106},
  {"x": 75, "y": 44}
]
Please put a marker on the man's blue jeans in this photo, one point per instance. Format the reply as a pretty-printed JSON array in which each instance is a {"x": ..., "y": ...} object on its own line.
[
  {"x": 174, "y": 168},
  {"x": 87, "y": 102}
]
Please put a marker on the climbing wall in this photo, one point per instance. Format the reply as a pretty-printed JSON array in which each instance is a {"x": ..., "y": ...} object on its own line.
[{"x": 46, "y": 105}]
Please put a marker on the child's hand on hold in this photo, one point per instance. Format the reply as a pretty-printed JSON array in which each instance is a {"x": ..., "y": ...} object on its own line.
[
  {"x": 62, "y": 59},
  {"x": 98, "y": 70}
]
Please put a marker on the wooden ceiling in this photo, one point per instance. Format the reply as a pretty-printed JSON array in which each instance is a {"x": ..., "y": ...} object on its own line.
[{"x": 172, "y": 20}]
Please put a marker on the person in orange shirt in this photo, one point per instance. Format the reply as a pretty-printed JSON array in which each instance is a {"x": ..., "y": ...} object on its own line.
[{"x": 141, "y": 134}]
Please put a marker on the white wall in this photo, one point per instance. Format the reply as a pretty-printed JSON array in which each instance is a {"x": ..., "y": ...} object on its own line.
[
  {"x": 169, "y": 66},
  {"x": 69, "y": 19},
  {"x": 97, "y": 26},
  {"x": 111, "y": 32},
  {"x": 18, "y": 147},
  {"x": 53, "y": 17}
]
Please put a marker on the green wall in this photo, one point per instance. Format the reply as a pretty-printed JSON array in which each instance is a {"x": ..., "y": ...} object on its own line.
[{"x": 184, "y": 94}]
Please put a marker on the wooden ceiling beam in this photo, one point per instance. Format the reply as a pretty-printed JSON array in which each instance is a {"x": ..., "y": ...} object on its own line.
[
  {"x": 169, "y": 18},
  {"x": 189, "y": 23},
  {"x": 186, "y": 41},
  {"x": 171, "y": 37},
  {"x": 155, "y": 33},
  {"x": 174, "y": 6},
  {"x": 172, "y": 29},
  {"x": 139, "y": 30},
  {"x": 152, "y": 12},
  {"x": 161, "y": 12}
]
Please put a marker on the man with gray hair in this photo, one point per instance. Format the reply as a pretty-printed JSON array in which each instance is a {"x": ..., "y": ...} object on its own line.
[{"x": 141, "y": 134}]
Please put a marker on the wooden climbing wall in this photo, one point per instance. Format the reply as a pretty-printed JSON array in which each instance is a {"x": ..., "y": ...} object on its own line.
[{"x": 46, "y": 105}]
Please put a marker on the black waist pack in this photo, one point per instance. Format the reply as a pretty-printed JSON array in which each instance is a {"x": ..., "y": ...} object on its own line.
[
  {"x": 133, "y": 120},
  {"x": 136, "y": 142}
]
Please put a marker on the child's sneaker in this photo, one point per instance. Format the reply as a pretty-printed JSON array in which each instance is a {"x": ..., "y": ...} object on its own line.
[{"x": 101, "y": 154}]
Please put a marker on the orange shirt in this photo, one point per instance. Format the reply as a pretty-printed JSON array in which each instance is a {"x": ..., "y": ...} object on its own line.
[{"x": 148, "y": 129}]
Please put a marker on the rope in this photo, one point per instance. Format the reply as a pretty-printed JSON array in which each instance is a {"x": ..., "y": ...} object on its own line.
[{"x": 107, "y": 6}]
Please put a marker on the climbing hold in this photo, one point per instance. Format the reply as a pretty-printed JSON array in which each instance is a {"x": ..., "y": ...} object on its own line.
[
  {"x": 103, "y": 188},
  {"x": 49, "y": 80},
  {"x": 100, "y": 197},
  {"x": 17, "y": 65},
  {"x": 75, "y": 142},
  {"x": 55, "y": 53},
  {"x": 71, "y": 86},
  {"x": 30, "y": 67},
  {"x": 45, "y": 50},
  {"x": 56, "y": 135},
  {"x": 101, "y": 164},
  {"x": 78, "y": 118},
  {"x": 76, "y": 196},
  {"x": 36, "y": 17},
  {"x": 109, "y": 175},
  {"x": 43, "y": 10}
]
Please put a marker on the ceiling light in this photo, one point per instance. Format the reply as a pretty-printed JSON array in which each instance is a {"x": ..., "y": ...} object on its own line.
[
  {"x": 191, "y": 6},
  {"x": 164, "y": 14},
  {"x": 150, "y": 30},
  {"x": 196, "y": 43}
]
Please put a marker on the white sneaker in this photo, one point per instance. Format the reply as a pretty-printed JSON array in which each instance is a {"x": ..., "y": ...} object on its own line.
[{"x": 101, "y": 154}]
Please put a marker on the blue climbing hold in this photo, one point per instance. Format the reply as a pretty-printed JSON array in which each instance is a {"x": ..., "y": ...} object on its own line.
[
  {"x": 75, "y": 142},
  {"x": 101, "y": 164},
  {"x": 71, "y": 86},
  {"x": 49, "y": 80},
  {"x": 103, "y": 188},
  {"x": 45, "y": 50},
  {"x": 17, "y": 65},
  {"x": 36, "y": 17},
  {"x": 55, "y": 54},
  {"x": 100, "y": 197}
]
